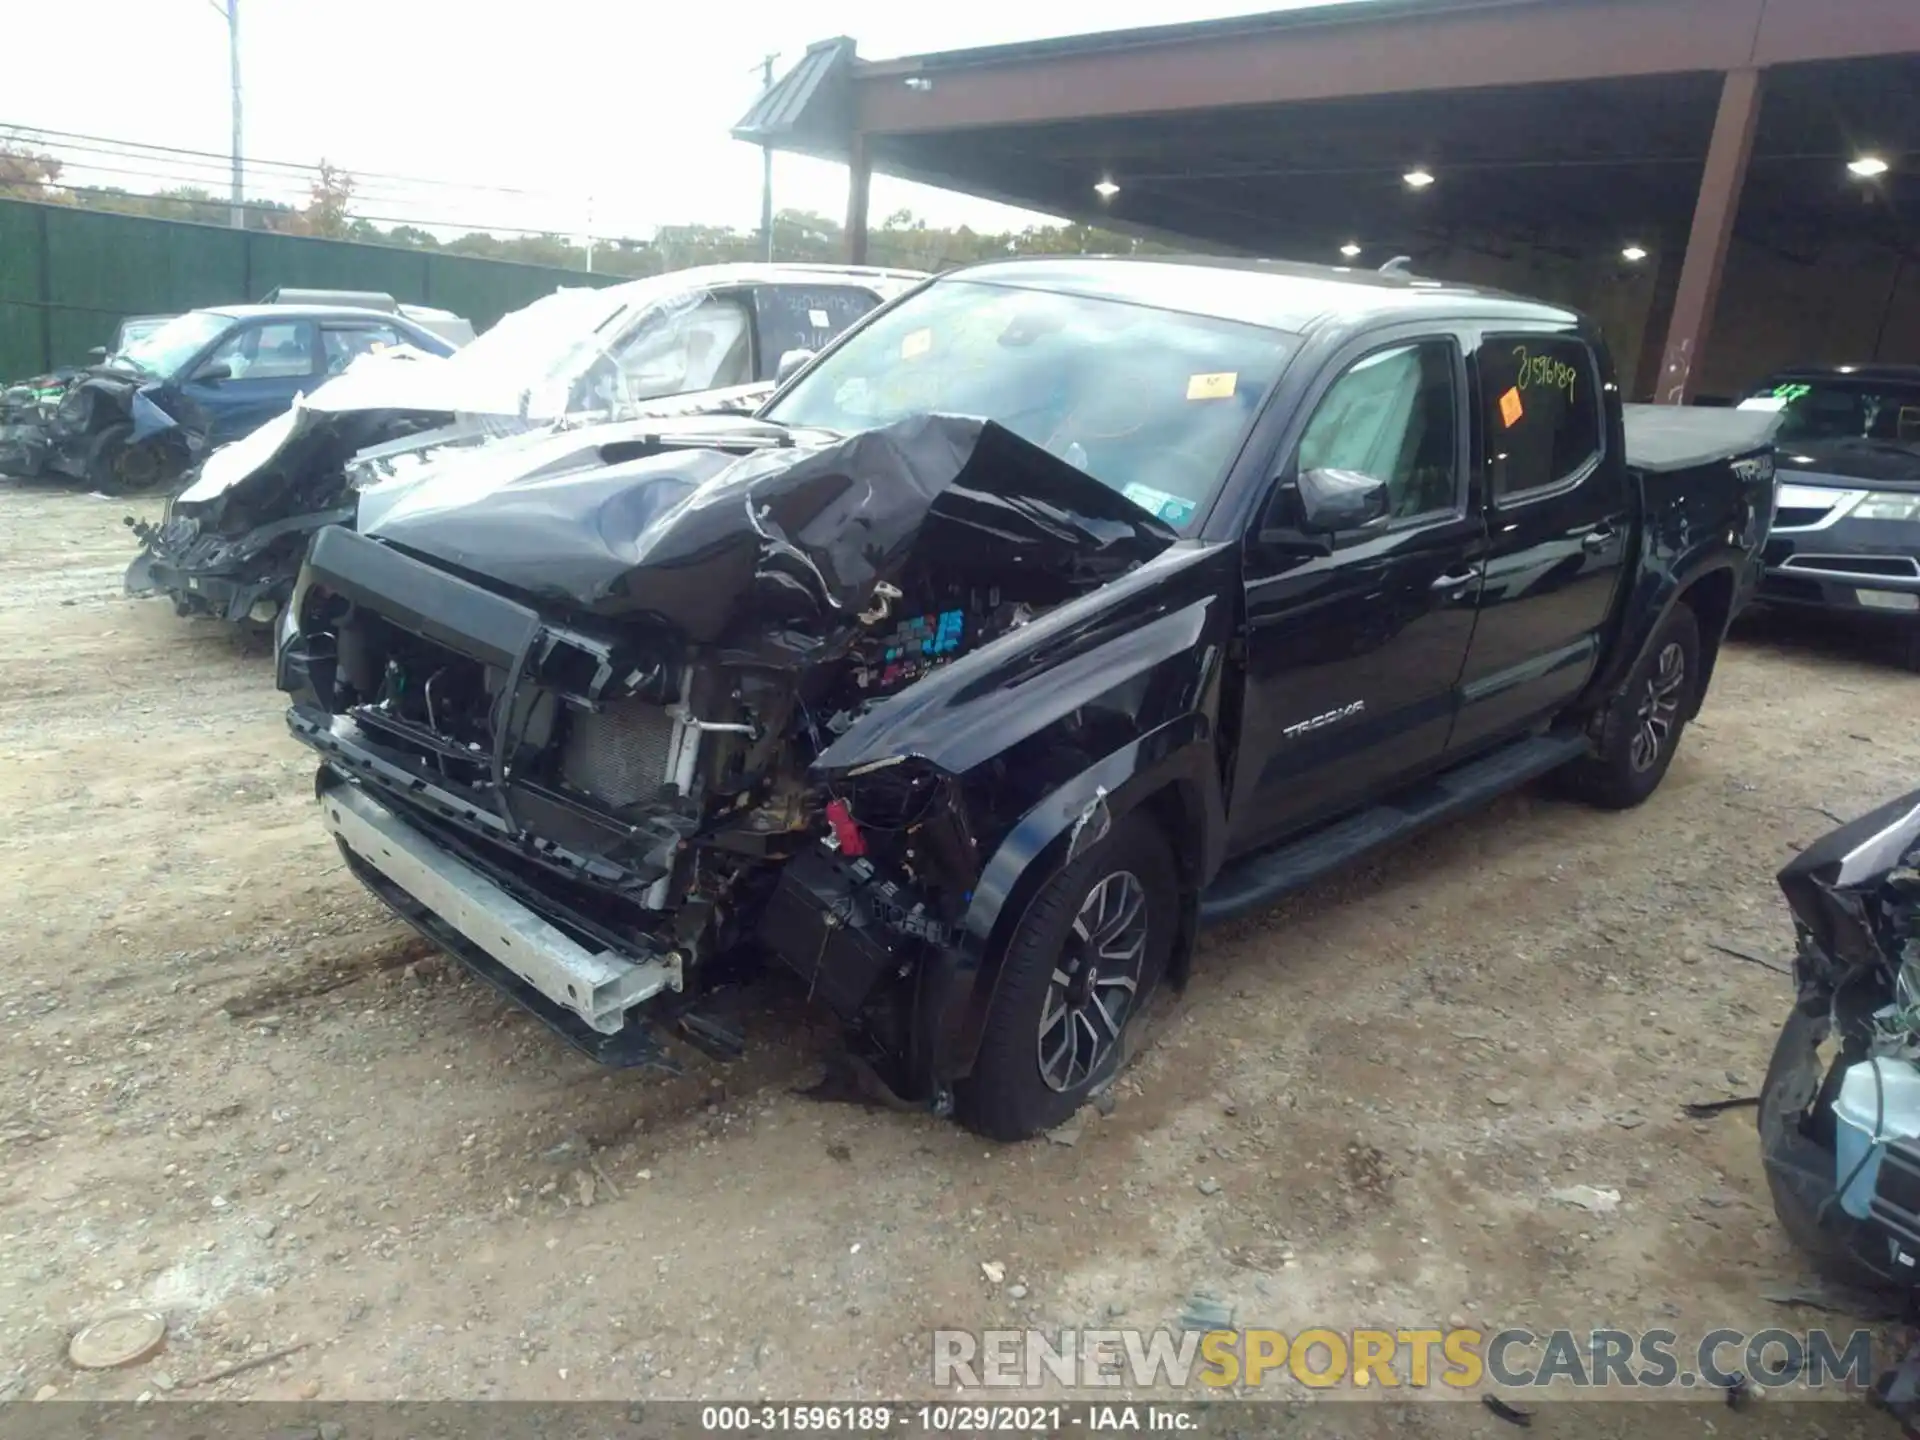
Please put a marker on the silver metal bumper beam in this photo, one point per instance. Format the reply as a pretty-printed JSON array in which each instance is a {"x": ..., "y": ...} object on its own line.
[{"x": 598, "y": 987}]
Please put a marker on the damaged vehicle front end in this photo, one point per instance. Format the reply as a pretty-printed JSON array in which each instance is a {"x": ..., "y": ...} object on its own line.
[
  {"x": 230, "y": 545},
  {"x": 1840, "y": 1110},
  {"x": 637, "y": 708}
]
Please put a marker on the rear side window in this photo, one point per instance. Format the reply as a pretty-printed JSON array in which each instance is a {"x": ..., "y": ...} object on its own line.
[
  {"x": 344, "y": 344},
  {"x": 1540, "y": 411}
]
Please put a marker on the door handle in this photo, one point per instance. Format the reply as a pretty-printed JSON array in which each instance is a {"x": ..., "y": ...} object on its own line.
[
  {"x": 1596, "y": 540},
  {"x": 1455, "y": 582}
]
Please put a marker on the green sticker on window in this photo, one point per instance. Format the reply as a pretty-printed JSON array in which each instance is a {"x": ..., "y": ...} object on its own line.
[{"x": 1791, "y": 392}]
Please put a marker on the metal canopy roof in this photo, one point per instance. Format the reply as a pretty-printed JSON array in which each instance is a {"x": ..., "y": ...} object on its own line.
[
  {"x": 810, "y": 108},
  {"x": 1557, "y": 122}
]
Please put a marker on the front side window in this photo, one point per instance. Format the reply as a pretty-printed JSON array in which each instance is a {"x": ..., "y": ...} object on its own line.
[
  {"x": 1155, "y": 404},
  {"x": 1391, "y": 416},
  {"x": 704, "y": 346},
  {"x": 1540, "y": 411},
  {"x": 278, "y": 350},
  {"x": 805, "y": 317}
]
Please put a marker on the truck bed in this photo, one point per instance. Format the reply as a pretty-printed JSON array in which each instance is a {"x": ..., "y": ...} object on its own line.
[{"x": 1664, "y": 438}]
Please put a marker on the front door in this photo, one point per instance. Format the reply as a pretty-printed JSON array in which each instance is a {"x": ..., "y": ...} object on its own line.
[
  {"x": 1353, "y": 656},
  {"x": 1558, "y": 527},
  {"x": 267, "y": 363}
]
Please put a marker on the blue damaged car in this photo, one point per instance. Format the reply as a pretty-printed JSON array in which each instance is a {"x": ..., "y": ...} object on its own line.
[{"x": 141, "y": 417}]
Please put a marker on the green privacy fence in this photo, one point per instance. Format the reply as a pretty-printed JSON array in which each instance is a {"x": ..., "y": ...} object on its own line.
[{"x": 68, "y": 276}]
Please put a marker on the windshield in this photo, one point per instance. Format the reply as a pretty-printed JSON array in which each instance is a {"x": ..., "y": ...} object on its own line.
[
  {"x": 132, "y": 330},
  {"x": 1153, "y": 403},
  {"x": 1842, "y": 409},
  {"x": 565, "y": 352},
  {"x": 176, "y": 342}
]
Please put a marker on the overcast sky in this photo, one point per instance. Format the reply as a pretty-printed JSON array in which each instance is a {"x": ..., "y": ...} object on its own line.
[{"x": 623, "y": 101}]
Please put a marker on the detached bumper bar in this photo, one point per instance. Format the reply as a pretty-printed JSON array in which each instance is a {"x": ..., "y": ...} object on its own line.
[{"x": 597, "y": 988}]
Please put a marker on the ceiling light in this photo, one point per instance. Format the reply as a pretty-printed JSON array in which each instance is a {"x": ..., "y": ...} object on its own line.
[
  {"x": 1106, "y": 189},
  {"x": 1633, "y": 253},
  {"x": 1350, "y": 249},
  {"x": 1418, "y": 179},
  {"x": 1867, "y": 166}
]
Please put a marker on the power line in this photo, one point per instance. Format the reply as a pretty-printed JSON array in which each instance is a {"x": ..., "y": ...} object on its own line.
[
  {"x": 17, "y": 191},
  {"x": 80, "y": 157},
  {"x": 61, "y": 136}
]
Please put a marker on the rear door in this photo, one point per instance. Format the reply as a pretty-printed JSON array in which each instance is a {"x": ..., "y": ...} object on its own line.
[
  {"x": 1559, "y": 522},
  {"x": 1353, "y": 656}
]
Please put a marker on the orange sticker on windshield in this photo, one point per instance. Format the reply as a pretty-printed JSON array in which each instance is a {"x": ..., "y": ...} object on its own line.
[
  {"x": 1511, "y": 409},
  {"x": 916, "y": 344},
  {"x": 1213, "y": 387}
]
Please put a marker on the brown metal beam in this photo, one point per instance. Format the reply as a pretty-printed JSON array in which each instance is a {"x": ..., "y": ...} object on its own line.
[
  {"x": 859, "y": 178},
  {"x": 1458, "y": 49},
  {"x": 1713, "y": 215}
]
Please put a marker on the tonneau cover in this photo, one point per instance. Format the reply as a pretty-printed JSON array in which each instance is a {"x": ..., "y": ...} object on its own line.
[{"x": 1679, "y": 437}]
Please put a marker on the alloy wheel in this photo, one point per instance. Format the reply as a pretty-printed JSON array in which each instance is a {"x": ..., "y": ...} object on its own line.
[
  {"x": 1659, "y": 713},
  {"x": 1094, "y": 982}
]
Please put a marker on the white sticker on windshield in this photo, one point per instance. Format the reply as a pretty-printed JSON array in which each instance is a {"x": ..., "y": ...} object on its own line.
[
  {"x": 916, "y": 344},
  {"x": 1173, "y": 509},
  {"x": 1218, "y": 386},
  {"x": 820, "y": 320}
]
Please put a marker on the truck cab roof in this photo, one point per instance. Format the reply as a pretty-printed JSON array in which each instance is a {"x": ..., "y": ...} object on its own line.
[{"x": 1274, "y": 294}]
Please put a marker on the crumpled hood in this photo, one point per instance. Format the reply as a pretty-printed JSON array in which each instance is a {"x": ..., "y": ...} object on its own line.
[
  {"x": 684, "y": 527},
  {"x": 1855, "y": 892}
]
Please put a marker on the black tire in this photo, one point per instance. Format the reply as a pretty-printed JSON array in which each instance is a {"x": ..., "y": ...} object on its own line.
[
  {"x": 1013, "y": 1093},
  {"x": 1910, "y": 648},
  {"x": 1796, "y": 1146},
  {"x": 1644, "y": 720},
  {"x": 115, "y": 467}
]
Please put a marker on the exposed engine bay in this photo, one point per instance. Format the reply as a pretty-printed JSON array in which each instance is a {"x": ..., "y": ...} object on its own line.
[
  {"x": 1840, "y": 1112},
  {"x": 633, "y": 681}
]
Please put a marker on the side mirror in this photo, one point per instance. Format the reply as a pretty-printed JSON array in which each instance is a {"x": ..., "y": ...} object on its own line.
[
  {"x": 1334, "y": 502},
  {"x": 99, "y": 352},
  {"x": 790, "y": 365},
  {"x": 214, "y": 373}
]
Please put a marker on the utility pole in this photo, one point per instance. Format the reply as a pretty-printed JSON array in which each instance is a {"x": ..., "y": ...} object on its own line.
[
  {"x": 230, "y": 12},
  {"x": 766, "y": 170}
]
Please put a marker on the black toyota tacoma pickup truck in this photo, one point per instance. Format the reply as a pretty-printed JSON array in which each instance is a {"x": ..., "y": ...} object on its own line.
[{"x": 1061, "y": 607}]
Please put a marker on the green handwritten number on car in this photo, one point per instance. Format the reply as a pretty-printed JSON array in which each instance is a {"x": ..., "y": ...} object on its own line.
[{"x": 1543, "y": 372}]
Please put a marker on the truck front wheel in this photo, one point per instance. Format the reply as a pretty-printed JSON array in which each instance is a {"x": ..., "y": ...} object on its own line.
[
  {"x": 1077, "y": 973},
  {"x": 1643, "y": 722}
]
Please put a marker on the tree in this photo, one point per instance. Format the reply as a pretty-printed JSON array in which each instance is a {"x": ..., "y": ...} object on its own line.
[
  {"x": 325, "y": 213},
  {"x": 31, "y": 175}
]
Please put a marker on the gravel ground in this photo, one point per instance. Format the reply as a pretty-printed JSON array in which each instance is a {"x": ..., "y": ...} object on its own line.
[{"x": 233, "y": 1089}]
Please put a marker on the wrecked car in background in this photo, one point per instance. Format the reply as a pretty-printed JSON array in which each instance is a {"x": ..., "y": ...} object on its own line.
[
  {"x": 145, "y": 414},
  {"x": 1061, "y": 607},
  {"x": 705, "y": 339},
  {"x": 1846, "y": 540},
  {"x": 1840, "y": 1109}
]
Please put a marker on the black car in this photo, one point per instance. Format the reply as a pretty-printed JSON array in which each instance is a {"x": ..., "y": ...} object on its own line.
[
  {"x": 1053, "y": 611},
  {"x": 1846, "y": 537}
]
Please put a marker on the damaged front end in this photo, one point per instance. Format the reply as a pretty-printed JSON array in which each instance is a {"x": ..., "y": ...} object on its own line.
[
  {"x": 1840, "y": 1111},
  {"x": 229, "y": 545},
  {"x": 613, "y": 713}
]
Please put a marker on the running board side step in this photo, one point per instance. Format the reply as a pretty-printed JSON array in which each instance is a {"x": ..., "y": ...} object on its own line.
[{"x": 1260, "y": 879}]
